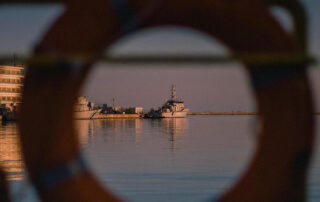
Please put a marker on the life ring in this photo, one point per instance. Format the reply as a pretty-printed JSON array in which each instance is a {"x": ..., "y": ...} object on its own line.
[{"x": 284, "y": 145}]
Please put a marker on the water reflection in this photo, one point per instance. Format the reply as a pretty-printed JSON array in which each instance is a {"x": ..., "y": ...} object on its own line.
[
  {"x": 132, "y": 130},
  {"x": 175, "y": 129},
  {"x": 85, "y": 131},
  {"x": 169, "y": 159},
  {"x": 10, "y": 152},
  {"x": 119, "y": 130},
  {"x": 142, "y": 160},
  {"x": 175, "y": 126}
]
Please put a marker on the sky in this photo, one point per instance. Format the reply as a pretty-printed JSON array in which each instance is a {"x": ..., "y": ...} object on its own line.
[{"x": 220, "y": 87}]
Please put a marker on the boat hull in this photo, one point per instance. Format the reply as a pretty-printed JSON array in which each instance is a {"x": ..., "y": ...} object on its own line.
[
  {"x": 90, "y": 114},
  {"x": 181, "y": 114}
]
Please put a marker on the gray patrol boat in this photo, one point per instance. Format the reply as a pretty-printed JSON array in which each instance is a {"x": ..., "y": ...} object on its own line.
[{"x": 172, "y": 108}]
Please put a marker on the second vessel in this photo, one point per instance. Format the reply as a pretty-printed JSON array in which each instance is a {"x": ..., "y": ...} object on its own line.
[{"x": 172, "y": 108}]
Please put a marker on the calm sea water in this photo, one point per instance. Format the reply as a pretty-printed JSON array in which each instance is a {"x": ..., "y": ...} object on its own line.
[{"x": 192, "y": 159}]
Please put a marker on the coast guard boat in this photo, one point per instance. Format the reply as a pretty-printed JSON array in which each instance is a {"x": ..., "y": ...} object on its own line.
[{"x": 172, "y": 108}]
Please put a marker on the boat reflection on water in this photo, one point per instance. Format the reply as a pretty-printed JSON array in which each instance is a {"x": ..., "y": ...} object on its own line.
[
  {"x": 85, "y": 130},
  {"x": 10, "y": 152},
  {"x": 131, "y": 130},
  {"x": 175, "y": 129},
  {"x": 111, "y": 129}
]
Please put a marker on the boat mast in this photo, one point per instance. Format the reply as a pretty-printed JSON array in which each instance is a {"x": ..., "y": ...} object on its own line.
[{"x": 173, "y": 93}]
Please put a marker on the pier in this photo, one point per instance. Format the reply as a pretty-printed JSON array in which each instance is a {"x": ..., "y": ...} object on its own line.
[
  {"x": 221, "y": 113},
  {"x": 117, "y": 116}
]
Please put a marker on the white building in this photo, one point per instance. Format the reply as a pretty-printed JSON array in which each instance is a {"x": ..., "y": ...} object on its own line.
[{"x": 11, "y": 84}]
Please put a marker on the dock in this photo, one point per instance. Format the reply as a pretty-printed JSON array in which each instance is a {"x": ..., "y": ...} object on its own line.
[{"x": 116, "y": 116}]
